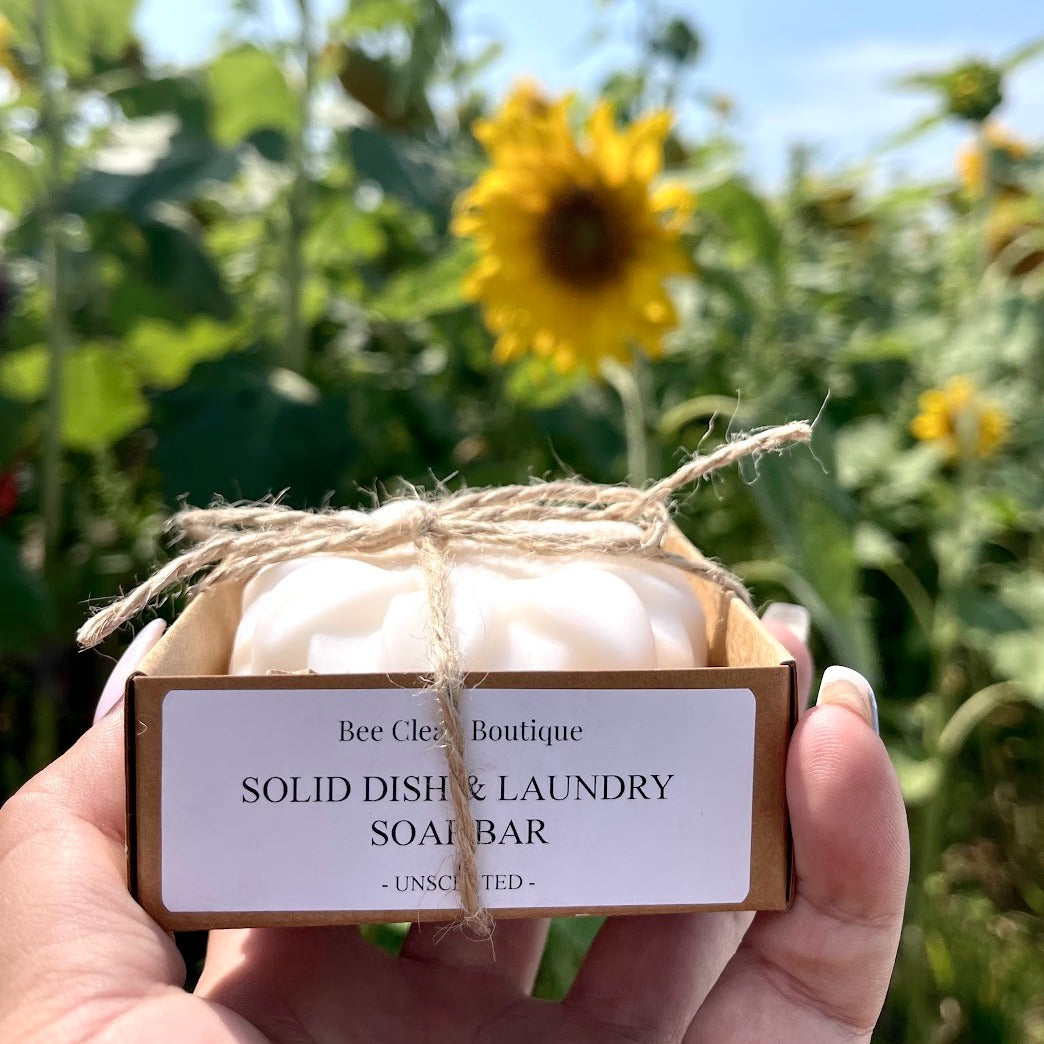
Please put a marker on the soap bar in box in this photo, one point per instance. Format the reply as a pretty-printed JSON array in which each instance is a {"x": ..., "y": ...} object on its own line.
[
  {"x": 320, "y": 798},
  {"x": 522, "y": 612}
]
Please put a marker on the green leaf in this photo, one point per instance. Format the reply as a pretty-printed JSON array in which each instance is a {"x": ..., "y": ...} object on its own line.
[
  {"x": 237, "y": 430},
  {"x": 249, "y": 93},
  {"x": 876, "y": 547},
  {"x": 370, "y": 15},
  {"x": 175, "y": 174},
  {"x": 745, "y": 218},
  {"x": 428, "y": 290},
  {"x": 982, "y": 612},
  {"x": 177, "y": 262},
  {"x": 917, "y": 130},
  {"x": 23, "y": 373},
  {"x": 1023, "y": 592},
  {"x": 919, "y": 778},
  {"x": 972, "y": 713},
  {"x": 1023, "y": 54},
  {"x": 1019, "y": 656},
  {"x": 677, "y": 41},
  {"x": 698, "y": 410},
  {"x": 78, "y": 31},
  {"x": 182, "y": 96},
  {"x": 405, "y": 167},
  {"x": 568, "y": 941},
  {"x": 19, "y": 183},
  {"x": 535, "y": 383},
  {"x": 891, "y": 345},
  {"x": 863, "y": 450},
  {"x": 102, "y": 398},
  {"x": 923, "y": 81},
  {"x": 389, "y": 937},
  {"x": 717, "y": 277},
  {"x": 163, "y": 354},
  {"x": 340, "y": 234}
]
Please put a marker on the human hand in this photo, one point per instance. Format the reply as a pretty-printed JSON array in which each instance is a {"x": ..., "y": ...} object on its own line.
[{"x": 81, "y": 961}]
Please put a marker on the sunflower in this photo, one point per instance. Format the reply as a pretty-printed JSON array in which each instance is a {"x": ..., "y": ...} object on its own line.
[
  {"x": 961, "y": 422},
  {"x": 8, "y": 61},
  {"x": 575, "y": 242},
  {"x": 1015, "y": 234},
  {"x": 973, "y": 91},
  {"x": 972, "y": 158}
]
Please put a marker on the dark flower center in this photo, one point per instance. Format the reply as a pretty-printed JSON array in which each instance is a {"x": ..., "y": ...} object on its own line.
[{"x": 582, "y": 241}]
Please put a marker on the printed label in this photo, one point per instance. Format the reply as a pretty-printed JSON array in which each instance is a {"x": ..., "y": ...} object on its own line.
[{"x": 338, "y": 799}]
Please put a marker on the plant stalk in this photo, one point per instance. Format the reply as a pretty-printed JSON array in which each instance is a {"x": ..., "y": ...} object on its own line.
[
  {"x": 989, "y": 198},
  {"x": 945, "y": 641},
  {"x": 52, "y": 125},
  {"x": 296, "y": 346},
  {"x": 625, "y": 383}
]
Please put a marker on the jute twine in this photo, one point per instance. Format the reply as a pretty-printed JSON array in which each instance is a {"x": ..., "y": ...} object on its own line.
[{"x": 233, "y": 543}]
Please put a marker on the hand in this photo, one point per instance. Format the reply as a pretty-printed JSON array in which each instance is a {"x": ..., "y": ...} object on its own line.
[{"x": 81, "y": 961}]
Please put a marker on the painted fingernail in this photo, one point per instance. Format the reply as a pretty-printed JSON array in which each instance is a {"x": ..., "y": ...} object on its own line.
[
  {"x": 795, "y": 618},
  {"x": 127, "y": 664},
  {"x": 843, "y": 687}
]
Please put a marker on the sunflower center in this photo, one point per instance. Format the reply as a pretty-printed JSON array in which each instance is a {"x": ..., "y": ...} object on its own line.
[{"x": 583, "y": 242}]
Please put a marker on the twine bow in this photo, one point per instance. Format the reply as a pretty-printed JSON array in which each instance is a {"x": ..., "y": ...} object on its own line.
[{"x": 234, "y": 543}]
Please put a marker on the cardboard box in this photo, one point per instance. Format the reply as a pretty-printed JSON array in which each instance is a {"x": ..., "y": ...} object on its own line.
[{"x": 251, "y": 802}]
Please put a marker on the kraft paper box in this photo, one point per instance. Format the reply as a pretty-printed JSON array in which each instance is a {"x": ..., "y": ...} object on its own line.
[{"x": 321, "y": 799}]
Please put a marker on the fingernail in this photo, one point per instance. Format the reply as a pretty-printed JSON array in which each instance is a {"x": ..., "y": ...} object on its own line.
[
  {"x": 794, "y": 617},
  {"x": 843, "y": 687},
  {"x": 127, "y": 664}
]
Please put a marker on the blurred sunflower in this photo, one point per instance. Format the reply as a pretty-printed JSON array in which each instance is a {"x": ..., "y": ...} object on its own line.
[
  {"x": 835, "y": 208},
  {"x": 973, "y": 157},
  {"x": 575, "y": 243},
  {"x": 960, "y": 421},
  {"x": 1015, "y": 234},
  {"x": 8, "y": 61},
  {"x": 974, "y": 90}
]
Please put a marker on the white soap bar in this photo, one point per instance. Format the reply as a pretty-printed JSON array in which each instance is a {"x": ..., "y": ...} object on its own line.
[{"x": 340, "y": 615}]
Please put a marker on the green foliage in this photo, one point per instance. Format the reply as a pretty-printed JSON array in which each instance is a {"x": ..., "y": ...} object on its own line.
[
  {"x": 83, "y": 36},
  {"x": 411, "y": 169},
  {"x": 19, "y": 183},
  {"x": 677, "y": 41},
  {"x": 567, "y": 942},
  {"x": 249, "y": 93},
  {"x": 154, "y": 219}
]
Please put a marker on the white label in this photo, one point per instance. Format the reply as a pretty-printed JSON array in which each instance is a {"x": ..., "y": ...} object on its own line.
[{"x": 295, "y": 800}]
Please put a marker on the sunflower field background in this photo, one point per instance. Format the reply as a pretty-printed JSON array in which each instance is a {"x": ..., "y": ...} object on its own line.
[{"x": 311, "y": 265}]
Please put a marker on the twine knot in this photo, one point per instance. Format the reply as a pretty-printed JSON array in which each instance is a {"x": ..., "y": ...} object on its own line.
[{"x": 424, "y": 523}]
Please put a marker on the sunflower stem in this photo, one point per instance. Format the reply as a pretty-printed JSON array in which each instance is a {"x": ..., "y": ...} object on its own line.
[
  {"x": 624, "y": 381},
  {"x": 990, "y": 197}
]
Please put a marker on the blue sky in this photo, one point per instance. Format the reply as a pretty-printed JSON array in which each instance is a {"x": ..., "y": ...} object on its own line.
[{"x": 811, "y": 70}]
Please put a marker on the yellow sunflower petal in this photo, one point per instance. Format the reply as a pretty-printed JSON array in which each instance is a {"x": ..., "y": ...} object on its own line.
[
  {"x": 927, "y": 427},
  {"x": 958, "y": 393},
  {"x": 675, "y": 200},
  {"x": 608, "y": 146},
  {"x": 645, "y": 140},
  {"x": 574, "y": 248},
  {"x": 993, "y": 429},
  {"x": 932, "y": 401}
]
